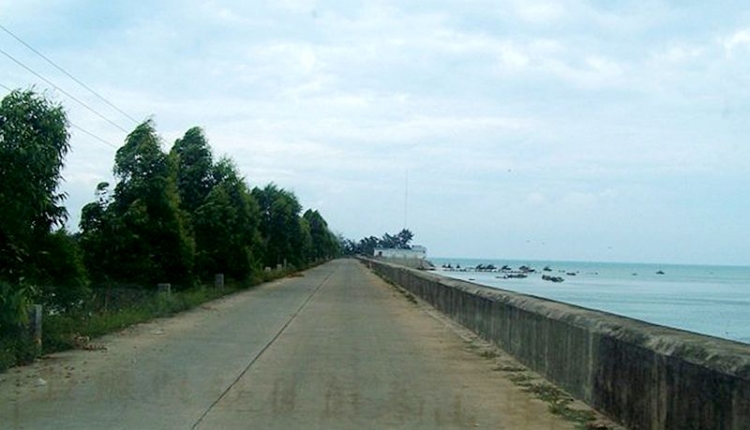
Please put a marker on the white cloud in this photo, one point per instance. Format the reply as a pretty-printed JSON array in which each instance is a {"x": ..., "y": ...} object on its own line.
[
  {"x": 680, "y": 54},
  {"x": 540, "y": 12},
  {"x": 739, "y": 39},
  {"x": 510, "y": 109}
]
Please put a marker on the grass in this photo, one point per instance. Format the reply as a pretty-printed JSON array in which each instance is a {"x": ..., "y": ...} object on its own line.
[
  {"x": 558, "y": 400},
  {"x": 66, "y": 330},
  {"x": 62, "y": 331},
  {"x": 489, "y": 354}
]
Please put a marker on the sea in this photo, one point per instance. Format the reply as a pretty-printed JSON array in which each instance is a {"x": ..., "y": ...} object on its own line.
[{"x": 710, "y": 300}]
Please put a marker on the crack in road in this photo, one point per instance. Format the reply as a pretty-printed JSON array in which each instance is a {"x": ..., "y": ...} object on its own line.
[{"x": 262, "y": 351}]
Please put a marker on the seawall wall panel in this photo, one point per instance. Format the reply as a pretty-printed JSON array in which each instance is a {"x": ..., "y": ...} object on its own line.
[{"x": 643, "y": 375}]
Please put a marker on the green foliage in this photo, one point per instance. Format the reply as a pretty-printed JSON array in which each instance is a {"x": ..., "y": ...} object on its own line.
[
  {"x": 34, "y": 263},
  {"x": 97, "y": 230},
  {"x": 62, "y": 274},
  {"x": 280, "y": 226},
  {"x": 142, "y": 227},
  {"x": 324, "y": 244},
  {"x": 367, "y": 245},
  {"x": 400, "y": 240},
  {"x": 15, "y": 302},
  {"x": 195, "y": 169},
  {"x": 226, "y": 226},
  {"x": 33, "y": 143},
  {"x": 16, "y": 345},
  {"x": 169, "y": 216}
]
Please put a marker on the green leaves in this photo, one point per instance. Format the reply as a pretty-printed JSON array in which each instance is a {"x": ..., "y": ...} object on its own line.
[
  {"x": 33, "y": 143},
  {"x": 280, "y": 225},
  {"x": 175, "y": 216},
  {"x": 324, "y": 244},
  {"x": 367, "y": 245},
  {"x": 226, "y": 226},
  {"x": 195, "y": 168},
  {"x": 139, "y": 234}
]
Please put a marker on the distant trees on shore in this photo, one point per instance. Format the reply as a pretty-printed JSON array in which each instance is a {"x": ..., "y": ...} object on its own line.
[
  {"x": 176, "y": 216},
  {"x": 367, "y": 245}
]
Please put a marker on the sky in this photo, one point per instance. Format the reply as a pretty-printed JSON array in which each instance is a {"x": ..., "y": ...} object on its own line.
[{"x": 546, "y": 130}]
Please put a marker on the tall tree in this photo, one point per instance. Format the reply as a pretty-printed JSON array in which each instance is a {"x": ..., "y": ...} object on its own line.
[
  {"x": 403, "y": 239},
  {"x": 194, "y": 169},
  {"x": 226, "y": 226},
  {"x": 151, "y": 240},
  {"x": 98, "y": 227},
  {"x": 33, "y": 143},
  {"x": 280, "y": 225},
  {"x": 33, "y": 260},
  {"x": 324, "y": 243}
]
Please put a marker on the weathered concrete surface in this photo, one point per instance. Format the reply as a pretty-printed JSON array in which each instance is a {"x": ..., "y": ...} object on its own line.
[
  {"x": 336, "y": 348},
  {"x": 643, "y": 375}
]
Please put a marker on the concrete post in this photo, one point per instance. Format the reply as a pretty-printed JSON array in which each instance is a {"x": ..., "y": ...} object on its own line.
[
  {"x": 164, "y": 288},
  {"x": 219, "y": 280},
  {"x": 35, "y": 326}
]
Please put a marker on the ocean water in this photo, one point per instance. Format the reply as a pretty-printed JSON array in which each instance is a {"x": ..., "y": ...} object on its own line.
[{"x": 711, "y": 300}]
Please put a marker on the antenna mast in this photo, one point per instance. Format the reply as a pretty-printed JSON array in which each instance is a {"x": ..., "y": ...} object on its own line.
[{"x": 406, "y": 199}]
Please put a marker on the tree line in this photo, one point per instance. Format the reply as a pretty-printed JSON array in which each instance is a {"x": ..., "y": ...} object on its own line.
[
  {"x": 176, "y": 216},
  {"x": 367, "y": 245}
]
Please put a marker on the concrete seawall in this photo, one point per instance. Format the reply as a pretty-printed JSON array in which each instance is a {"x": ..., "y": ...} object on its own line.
[{"x": 642, "y": 375}]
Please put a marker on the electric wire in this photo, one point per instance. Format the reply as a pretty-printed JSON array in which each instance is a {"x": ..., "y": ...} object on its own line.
[
  {"x": 102, "y": 98},
  {"x": 92, "y": 135},
  {"x": 77, "y": 127},
  {"x": 63, "y": 91}
]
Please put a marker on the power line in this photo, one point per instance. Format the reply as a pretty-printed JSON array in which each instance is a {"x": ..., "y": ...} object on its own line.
[
  {"x": 63, "y": 91},
  {"x": 67, "y": 74},
  {"x": 76, "y": 126},
  {"x": 93, "y": 135}
]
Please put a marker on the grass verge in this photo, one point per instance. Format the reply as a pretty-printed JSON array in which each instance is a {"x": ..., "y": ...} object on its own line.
[{"x": 62, "y": 331}]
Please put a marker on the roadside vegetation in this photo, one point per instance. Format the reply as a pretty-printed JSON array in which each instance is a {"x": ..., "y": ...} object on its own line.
[{"x": 177, "y": 217}]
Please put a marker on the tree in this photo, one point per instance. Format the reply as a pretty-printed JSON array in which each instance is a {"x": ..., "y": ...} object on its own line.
[
  {"x": 34, "y": 262},
  {"x": 367, "y": 245},
  {"x": 97, "y": 236},
  {"x": 226, "y": 226},
  {"x": 64, "y": 280},
  {"x": 403, "y": 239},
  {"x": 346, "y": 246},
  {"x": 150, "y": 239},
  {"x": 279, "y": 225},
  {"x": 195, "y": 169},
  {"x": 324, "y": 243},
  {"x": 33, "y": 144}
]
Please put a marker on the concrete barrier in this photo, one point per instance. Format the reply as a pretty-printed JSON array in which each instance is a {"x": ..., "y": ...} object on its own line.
[{"x": 643, "y": 375}]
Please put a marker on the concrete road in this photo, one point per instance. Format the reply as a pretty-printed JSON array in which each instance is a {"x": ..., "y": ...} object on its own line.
[{"x": 336, "y": 348}]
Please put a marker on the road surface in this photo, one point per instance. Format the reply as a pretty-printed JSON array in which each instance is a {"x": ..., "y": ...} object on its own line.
[{"x": 336, "y": 348}]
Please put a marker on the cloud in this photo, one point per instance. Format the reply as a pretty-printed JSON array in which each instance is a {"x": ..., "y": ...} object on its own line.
[
  {"x": 738, "y": 40},
  {"x": 510, "y": 111},
  {"x": 680, "y": 54},
  {"x": 539, "y": 12}
]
